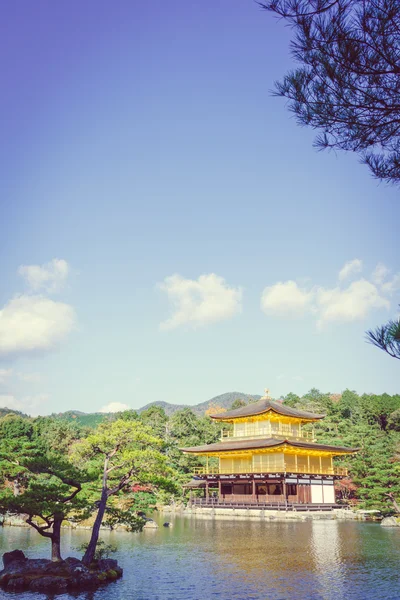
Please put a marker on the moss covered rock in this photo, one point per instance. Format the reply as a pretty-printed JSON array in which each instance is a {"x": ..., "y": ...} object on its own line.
[{"x": 41, "y": 575}]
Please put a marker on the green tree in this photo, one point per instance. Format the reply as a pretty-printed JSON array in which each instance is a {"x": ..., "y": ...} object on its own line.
[
  {"x": 155, "y": 418},
  {"x": 15, "y": 441},
  {"x": 317, "y": 402},
  {"x": 185, "y": 426},
  {"x": 376, "y": 469},
  {"x": 187, "y": 429},
  {"x": 238, "y": 403},
  {"x": 57, "y": 434},
  {"x": 120, "y": 454},
  {"x": 347, "y": 86},
  {"x": 387, "y": 338},
  {"x": 349, "y": 406},
  {"x": 292, "y": 400},
  {"x": 128, "y": 415},
  {"x": 49, "y": 495},
  {"x": 394, "y": 420},
  {"x": 379, "y": 408}
]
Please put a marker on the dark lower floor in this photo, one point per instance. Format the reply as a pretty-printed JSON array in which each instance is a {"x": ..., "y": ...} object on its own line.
[{"x": 267, "y": 490}]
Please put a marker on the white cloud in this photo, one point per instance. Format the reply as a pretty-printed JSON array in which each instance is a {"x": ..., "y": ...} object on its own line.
[
  {"x": 197, "y": 302},
  {"x": 114, "y": 407},
  {"x": 391, "y": 286},
  {"x": 26, "y": 404},
  {"x": 380, "y": 273},
  {"x": 29, "y": 377},
  {"x": 350, "y": 268},
  {"x": 344, "y": 303},
  {"x": 350, "y": 304},
  {"x": 50, "y": 277},
  {"x": 29, "y": 323},
  {"x": 286, "y": 298},
  {"x": 5, "y": 374}
]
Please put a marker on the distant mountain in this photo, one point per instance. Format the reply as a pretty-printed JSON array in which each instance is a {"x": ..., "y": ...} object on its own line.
[
  {"x": 84, "y": 419},
  {"x": 10, "y": 411},
  {"x": 221, "y": 401},
  {"x": 169, "y": 408},
  {"x": 93, "y": 419},
  {"x": 224, "y": 401}
]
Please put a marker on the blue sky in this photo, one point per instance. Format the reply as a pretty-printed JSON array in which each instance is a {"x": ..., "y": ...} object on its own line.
[{"x": 168, "y": 232}]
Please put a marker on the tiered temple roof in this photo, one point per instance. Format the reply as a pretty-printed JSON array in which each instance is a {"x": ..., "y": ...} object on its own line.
[
  {"x": 252, "y": 444},
  {"x": 266, "y": 405}
]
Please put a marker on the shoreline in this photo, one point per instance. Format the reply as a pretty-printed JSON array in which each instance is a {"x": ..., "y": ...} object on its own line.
[
  {"x": 242, "y": 514},
  {"x": 262, "y": 514}
]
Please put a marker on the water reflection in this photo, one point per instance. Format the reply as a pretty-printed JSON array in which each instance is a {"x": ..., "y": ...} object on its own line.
[
  {"x": 326, "y": 548},
  {"x": 199, "y": 559}
]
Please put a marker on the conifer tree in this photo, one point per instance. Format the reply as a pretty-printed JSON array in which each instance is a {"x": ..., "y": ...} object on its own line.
[{"x": 347, "y": 84}]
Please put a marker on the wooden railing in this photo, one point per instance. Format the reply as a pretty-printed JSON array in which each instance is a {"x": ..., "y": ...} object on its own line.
[
  {"x": 272, "y": 503},
  {"x": 341, "y": 471},
  {"x": 272, "y": 432},
  {"x": 248, "y": 498}
]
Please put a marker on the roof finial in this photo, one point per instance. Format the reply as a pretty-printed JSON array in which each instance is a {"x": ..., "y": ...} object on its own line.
[{"x": 267, "y": 396}]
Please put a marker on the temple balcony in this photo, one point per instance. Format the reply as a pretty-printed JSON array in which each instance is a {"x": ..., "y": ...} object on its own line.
[
  {"x": 339, "y": 471},
  {"x": 267, "y": 429}
]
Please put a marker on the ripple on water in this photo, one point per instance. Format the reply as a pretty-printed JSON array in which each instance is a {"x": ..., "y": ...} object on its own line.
[{"x": 202, "y": 559}]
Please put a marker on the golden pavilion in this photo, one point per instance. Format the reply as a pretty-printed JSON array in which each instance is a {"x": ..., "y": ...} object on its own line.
[{"x": 268, "y": 458}]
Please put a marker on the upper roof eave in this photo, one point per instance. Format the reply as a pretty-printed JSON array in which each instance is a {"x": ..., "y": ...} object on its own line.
[{"x": 265, "y": 405}]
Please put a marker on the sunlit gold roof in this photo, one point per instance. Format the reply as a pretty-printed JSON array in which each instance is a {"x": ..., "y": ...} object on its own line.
[
  {"x": 252, "y": 444},
  {"x": 263, "y": 406}
]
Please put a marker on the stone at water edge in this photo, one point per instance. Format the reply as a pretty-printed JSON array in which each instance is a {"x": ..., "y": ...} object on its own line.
[
  {"x": 150, "y": 524},
  {"x": 105, "y": 564},
  {"x": 390, "y": 522},
  {"x": 167, "y": 524},
  {"x": 48, "y": 584},
  {"x": 16, "y": 585},
  {"x": 43, "y": 575},
  {"x": 13, "y": 556}
]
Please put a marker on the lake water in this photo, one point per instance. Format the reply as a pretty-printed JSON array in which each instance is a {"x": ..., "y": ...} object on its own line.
[{"x": 202, "y": 559}]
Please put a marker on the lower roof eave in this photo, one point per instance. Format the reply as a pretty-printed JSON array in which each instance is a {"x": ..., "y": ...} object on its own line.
[{"x": 222, "y": 447}]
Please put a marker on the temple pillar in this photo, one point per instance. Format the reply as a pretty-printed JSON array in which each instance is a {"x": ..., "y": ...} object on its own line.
[
  {"x": 207, "y": 494},
  {"x": 219, "y": 491},
  {"x": 285, "y": 492},
  {"x": 254, "y": 490}
]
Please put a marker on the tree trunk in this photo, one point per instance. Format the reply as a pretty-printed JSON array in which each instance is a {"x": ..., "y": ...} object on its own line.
[
  {"x": 56, "y": 539},
  {"x": 395, "y": 504},
  {"x": 91, "y": 549}
]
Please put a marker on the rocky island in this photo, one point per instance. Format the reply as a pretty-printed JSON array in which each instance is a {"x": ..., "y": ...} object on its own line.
[{"x": 42, "y": 575}]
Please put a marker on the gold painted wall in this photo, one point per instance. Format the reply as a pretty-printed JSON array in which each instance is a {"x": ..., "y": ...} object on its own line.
[
  {"x": 276, "y": 462},
  {"x": 235, "y": 465},
  {"x": 265, "y": 427},
  {"x": 260, "y": 463},
  {"x": 308, "y": 464},
  {"x": 268, "y": 462}
]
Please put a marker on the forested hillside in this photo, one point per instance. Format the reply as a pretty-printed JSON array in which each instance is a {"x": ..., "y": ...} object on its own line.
[{"x": 368, "y": 422}]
